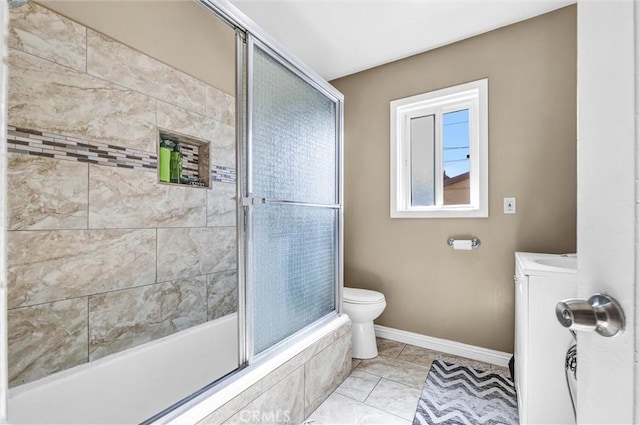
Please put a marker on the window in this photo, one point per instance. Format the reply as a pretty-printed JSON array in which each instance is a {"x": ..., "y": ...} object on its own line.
[{"x": 439, "y": 150}]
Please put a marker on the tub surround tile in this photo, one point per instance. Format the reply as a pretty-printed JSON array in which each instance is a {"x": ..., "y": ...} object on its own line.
[
  {"x": 183, "y": 121},
  {"x": 396, "y": 370},
  {"x": 325, "y": 372},
  {"x": 221, "y": 204},
  {"x": 283, "y": 403},
  {"x": 223, "y": 174},
  {"x": 389, "y": 348},
  {"x": 45, "y": 266},
  {"x": 46, "y": 194},
  {"x": 194, "y": 252},
  {"x": 358, "y": 385},
  {"x": 222, "y": 294},
  {"x": 223, "y": 146},
  {"x": 122, "y": 198},
  {"x": 54, "y": 98},
  {"x": 302, "y": 358},
  {"x": 43, "y": 33},
  {"x": 34, "y": 142},
  {"x": 221, "y": 106},
  {"x": 120, "y": 64},
  {"x": 46, "y": 338},
  {"x": 398, "y": 399},
  {"x": 124, "y": 319},
  {"x": 227, "y": 410},
  {"x": 338, "y": 409}
]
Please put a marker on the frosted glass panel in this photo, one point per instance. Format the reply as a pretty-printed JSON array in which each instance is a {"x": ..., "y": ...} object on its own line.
[
  {"x": 423, "y": 160},
  {"x": 293, "y": 269},
  {"x": 294, "y": 136}
]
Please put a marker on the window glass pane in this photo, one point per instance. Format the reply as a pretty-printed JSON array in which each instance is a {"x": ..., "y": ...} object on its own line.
[
  {"x": 455, "y": 146},
  {"x": 422, "y": 160}
]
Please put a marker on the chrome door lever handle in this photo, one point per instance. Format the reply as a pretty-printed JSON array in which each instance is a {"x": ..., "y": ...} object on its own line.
[{"x": 600, "y": 313}]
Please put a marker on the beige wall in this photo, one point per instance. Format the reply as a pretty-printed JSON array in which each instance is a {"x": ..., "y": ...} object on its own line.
[
  {"x": 179, "y": 33},
  {"x": 431, "y": 289}
]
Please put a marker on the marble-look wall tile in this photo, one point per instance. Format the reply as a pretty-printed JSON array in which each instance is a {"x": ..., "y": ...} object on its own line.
[
  {"x": 222, "y": 294},
  {"x": 221, "y": 204},
  {"x": 120, "y": 64},
  {"x": 221, "y": 136},
  {"x": 45, "y": 193},
  {"x": 50, "y": 97},
  {"x": 45, "y": 266},
  {"x": 283, "y": 403},
  {"x": 325, "y": 372},
  {"x": 124, "y": 198},
  {"x": 182, "y": 121},
  {"x": 124, "y": 319},
  {"x": 302, "y": 358},
  {"x": 193, "y": 252},
  {"x": 41, "y": 32},
  {"x": 223, "y": 146},
  {"x": 221, "y": 106},
  {"x": 227, "y": 410},
  {"x": 46, "y": 338}
]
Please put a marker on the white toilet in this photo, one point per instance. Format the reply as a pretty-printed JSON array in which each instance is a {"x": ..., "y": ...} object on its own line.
[{"x": 363, "y": 307}]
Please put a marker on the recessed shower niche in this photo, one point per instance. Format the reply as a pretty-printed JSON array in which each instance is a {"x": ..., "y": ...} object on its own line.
[{"x": 183, "y": 160}]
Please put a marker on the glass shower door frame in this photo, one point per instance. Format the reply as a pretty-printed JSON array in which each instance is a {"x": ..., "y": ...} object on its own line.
[{"x": 247, "y": 202}]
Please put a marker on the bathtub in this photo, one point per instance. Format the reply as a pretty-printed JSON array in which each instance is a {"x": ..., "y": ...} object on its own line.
[{"x": 133, "y": 385}]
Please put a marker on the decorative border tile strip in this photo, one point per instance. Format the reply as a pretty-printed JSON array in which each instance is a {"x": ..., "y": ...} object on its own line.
[
  {"x": 33, "y": 142},
  {"x": 50, "y": 145},
  {"x": 223, "y": 174},
  {"x": 189, "y": 161}
]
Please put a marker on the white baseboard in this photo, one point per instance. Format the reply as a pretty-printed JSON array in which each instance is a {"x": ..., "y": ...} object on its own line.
[{"x": 444, "y": 345}]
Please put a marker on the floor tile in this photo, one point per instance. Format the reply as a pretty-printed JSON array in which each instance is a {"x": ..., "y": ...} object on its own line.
[
  {"x": 358, "y": 385},
  {"x": 355, "y": 363},
  {"x": 392, "y": 397},
  {"x": 389, "y": 348},
  {"x": 503, "y": 371},
  {"x": 338, "y": 409},
  {"x": 419, "y": 355},
  {"x": 396, "y": 370}
]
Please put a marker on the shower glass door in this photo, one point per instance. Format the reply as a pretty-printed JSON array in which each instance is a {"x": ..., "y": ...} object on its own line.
[{"x": 292, "y": 200}]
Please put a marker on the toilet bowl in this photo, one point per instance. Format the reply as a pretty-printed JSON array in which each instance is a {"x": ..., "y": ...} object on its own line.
[{"x": 363, "y": 307}]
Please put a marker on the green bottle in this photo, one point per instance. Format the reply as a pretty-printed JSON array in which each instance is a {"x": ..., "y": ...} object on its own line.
[
  {"x": 176, "y": 163},
  {"x": 164, "y": 161}
]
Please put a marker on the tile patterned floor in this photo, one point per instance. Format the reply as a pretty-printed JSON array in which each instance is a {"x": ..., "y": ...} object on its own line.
[{"x": 385, "y": 390}]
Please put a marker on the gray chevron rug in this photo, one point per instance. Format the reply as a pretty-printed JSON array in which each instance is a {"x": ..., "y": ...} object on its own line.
[{"x": 456, "y": 394}]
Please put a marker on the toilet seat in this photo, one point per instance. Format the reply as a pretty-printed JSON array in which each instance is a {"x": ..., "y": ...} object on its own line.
[{"x": 361, "y": 296}]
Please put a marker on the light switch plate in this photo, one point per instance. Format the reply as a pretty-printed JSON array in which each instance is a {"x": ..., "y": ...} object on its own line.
[{"x": 510, "y": 205}]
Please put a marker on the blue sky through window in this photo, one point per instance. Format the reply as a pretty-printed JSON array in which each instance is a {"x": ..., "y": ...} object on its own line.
[{"x": 455, "y": 142}]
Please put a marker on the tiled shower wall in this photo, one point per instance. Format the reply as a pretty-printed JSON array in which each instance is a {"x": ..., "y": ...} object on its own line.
[{"x": 101, "y": 257}]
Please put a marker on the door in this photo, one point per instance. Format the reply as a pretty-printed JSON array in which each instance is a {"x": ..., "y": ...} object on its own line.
[
  {"x": 293, "y": 200},
  {"x": 607, "y": 203}
]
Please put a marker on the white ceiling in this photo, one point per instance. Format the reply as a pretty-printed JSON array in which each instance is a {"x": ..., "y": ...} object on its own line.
[{"x": 341, "y": 37}]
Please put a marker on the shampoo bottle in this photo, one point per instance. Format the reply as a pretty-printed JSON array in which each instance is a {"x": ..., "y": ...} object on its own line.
[
  {"x": 164, "y": 161},
  {"x": 176, "y": 164}
]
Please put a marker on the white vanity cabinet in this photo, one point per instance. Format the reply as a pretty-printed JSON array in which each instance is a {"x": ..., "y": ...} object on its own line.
[{"x": 541, "y": 343}]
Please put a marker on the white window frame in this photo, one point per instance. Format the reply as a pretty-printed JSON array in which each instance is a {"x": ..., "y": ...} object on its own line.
[{"x": 472, "y": 96}]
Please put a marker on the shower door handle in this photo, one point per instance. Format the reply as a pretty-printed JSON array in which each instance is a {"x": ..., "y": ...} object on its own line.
[
  {"x": 600, "y": 313},
  {"x": 245, "y": 202}
]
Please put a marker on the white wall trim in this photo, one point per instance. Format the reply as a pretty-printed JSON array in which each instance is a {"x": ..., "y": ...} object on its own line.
[{"x": 486, "y": 355}]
